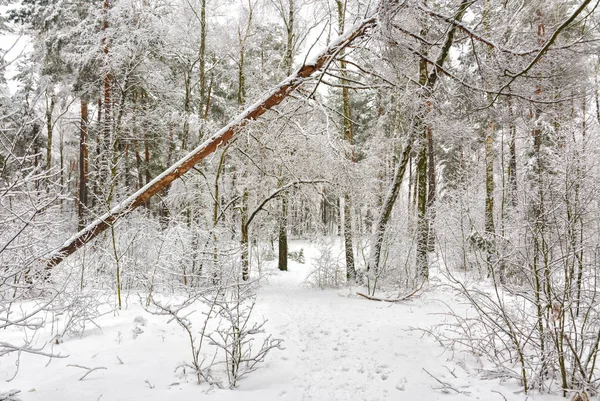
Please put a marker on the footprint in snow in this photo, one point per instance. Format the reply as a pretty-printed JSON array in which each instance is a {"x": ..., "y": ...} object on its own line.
[{"x": 401, "y": 384}]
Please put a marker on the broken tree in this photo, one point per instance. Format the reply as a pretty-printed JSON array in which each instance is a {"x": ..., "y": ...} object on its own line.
[{"x": 272, "y": 99}]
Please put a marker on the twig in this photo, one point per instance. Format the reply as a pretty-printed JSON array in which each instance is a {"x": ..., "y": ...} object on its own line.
[
  {"x": 9, "y": 395},
  {"x": 89, "y": 370},
  {"x": 498, "y": 392},
  {"x": 445, "y": 385}
]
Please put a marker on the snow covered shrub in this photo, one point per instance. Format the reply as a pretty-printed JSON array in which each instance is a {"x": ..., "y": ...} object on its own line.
[
  {"x": 327, "y": 269},
  {"x": 32, "y": 223},
  {"x": 236, "y": 332},
  {"x": 74, "y": 310},
  {"x": 297, "y": 256},
  {"x": 533, "y": 291},
  {"x": 397, "y": 264},
  {"x": 227, "y": 333},
  {"x": 201, "y": 364}
]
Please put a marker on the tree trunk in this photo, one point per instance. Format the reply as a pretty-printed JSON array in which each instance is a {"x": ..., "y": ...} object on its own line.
[
  {"x": 245, "y": 237},
  {"x": 512, "y": 158},
  {"x": 349, "y": 252},
  {"x": 283, "y": 220},
  {"x": 387, "y": 207},
  {"x": 283, "y": 245},
  {"x": 83, "y": 164},
  {"x": 422, "y": 260},
  {"x": 105, "y": 161},
  {"x": 349, "y": 138},
  {"x": 431, "y": 188},
  {"x": 186, "y": 110},
  {"x": 49, "y": 128},
  {"x": 204, "y": 99},
  {"x": 489, "y": 190}
]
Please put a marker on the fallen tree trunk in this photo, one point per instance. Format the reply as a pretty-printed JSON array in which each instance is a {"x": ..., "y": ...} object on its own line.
[
  {"x": 393, "y": 300},
  {"x": 272, "y": 99}
]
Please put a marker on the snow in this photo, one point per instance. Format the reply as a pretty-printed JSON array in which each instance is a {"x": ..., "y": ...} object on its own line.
[{"x": 337, "y": 347}]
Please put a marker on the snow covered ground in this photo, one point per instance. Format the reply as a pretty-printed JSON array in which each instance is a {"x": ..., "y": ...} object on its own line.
[{"x": 337, "y": 347}]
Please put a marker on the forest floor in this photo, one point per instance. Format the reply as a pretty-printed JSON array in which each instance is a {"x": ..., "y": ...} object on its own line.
[{"x": 337, "y": 347}]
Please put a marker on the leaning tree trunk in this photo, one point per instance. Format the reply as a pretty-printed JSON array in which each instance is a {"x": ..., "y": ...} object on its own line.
[
  {"x": 386, "y": 209},
  {"x": 272, "y": 99},
  {"x": 390, "y": 199}
]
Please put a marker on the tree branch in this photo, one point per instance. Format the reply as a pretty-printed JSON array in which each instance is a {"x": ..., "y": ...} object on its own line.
[{"x": 277, "y": 192}]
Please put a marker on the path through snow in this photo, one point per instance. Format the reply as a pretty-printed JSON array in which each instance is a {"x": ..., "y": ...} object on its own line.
[{"x": 337, "y": 348}]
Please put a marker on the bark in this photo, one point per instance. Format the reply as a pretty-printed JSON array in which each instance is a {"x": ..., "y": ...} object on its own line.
[
  {"x": 289, "y": 25},
  {"x": 106, "y": 127},
  {"x": 204, "y": 100},
  {"x": 283, "y": 245},
  {"x": 349, "y": 252},
  {"x": 49, "y": 128},
  {"x": 245, "y": 238},
  {"x": 422, "y": 260},
  {"x": 241, "y": 62},
  {"x": 35, "y": 131},
  {"x": 241, "y": 78},
  {"x": 512, "y": 155},
  {"x": 489, "y": 181},
  {"x": 98, "y": 159},
  {"x": 272, "y": 99},
  {"x": 216, "y": 208},
  {"x": 147, "y": 166},
  {"x": 431, "y": 190},
  {"x": 186, "y": 109},
  {"x": 490, "y": 230},
  {"x": 83, "y": 164}
]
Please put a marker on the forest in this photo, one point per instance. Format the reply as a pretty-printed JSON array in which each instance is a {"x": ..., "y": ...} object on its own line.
[{"x": 299, "y": 199}]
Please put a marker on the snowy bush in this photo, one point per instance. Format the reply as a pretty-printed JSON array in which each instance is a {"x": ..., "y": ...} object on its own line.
[
  {"x": 297, "y": 256},
  {"x": 236, "y": 332},
  {"x": 73, "y": 311},
  {"x": 535, "y": 318},
  {"x": 327, "y": 269},
  {"x": 228, "y": 331}
]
